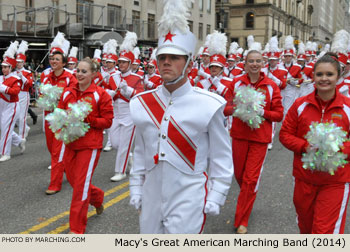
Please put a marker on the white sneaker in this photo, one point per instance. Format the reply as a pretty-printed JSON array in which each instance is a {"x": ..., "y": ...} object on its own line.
[
  {"x": 49, "y": 167},
  {"x": 107, "y": 148},
  {"x": 26, "y": 132},
  {"x": 118, "y": 176},
  {"x": 4, "y": 158},
  {"x": 269, "y": 147},
  {"x": 22, "y": 145}
]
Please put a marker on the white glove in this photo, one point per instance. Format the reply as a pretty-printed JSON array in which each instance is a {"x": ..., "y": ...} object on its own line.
[
  {"x": 211, "y": 208},
  {"x": 203, "y": 74},
  {"x": 215, "y": 81},
  {"x": 135, "y": 201},
  {"x": 149, "y": 84},
  {"x": 111, "y": 92},
  {"x": 260, "y": 111},
  {"x": 125, "y": 90},
  {"x": 2, "y": 88},
  {"x": 146, "y": 78}
]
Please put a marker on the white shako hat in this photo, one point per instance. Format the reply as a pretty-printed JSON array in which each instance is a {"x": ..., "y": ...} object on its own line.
[{"x": 174, "y": 34}]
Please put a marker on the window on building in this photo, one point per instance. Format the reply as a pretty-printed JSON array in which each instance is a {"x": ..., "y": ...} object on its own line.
[
  {"x": 200, "y": 31},
  {"x": 29, "y": 5},
  {"x": 190, "y": 25},
  {"x": 249, "y": 20},
  {"x": 209, "y": 6},
  {"x": 114, "y": 15},
  {"x": 201, "y": 5},
  {"x": 84, "y": 11},
  {"x": 151, "y": 26},
  {"x": 208, "y": 29},
  {"x": 249, "y": 1},
  {"x": 136, "y": 22},
  {"x": 137, "y": 3}
]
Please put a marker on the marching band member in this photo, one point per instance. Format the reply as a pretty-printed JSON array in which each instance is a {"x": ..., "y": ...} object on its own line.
[
  {"x": 111, "y": 61},
  {"x": 182, "y": 162},
  {"x": 73, "y": 60},
  {"x": 82, "y": 155},
  {"x": 10, "y": 87},
  {"x": 249, "y": 146},
  {"x": 305, "y": 82},
  {"x": 232, "y": 70},
  {"x": 152, "y": 79},
  {"x": 122, "y": 131},
  {"x": 320, "y": 199},
  {"x": 135, "y": 66},
  {"x": 26, "y": 79},
  {"x": 61, "y": 78}
]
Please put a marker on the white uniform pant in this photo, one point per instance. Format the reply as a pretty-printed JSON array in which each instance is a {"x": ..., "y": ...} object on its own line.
[
  {"x": 23, "y": 97},
  {"x": 172, "y": 202},
  {"x": 122, "y": 138},
  {"x": 291, "y": 93},
  {"x": 306, "y": 88},
  {"x": 8, "y": 116}
]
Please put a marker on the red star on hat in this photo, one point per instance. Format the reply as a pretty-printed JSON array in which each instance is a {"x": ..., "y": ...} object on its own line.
[{"x": 169, "y": 36}]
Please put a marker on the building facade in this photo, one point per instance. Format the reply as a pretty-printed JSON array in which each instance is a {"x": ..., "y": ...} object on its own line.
[
  {"x": 90, "y": 23},
  {"x": 264, "y": 19}
]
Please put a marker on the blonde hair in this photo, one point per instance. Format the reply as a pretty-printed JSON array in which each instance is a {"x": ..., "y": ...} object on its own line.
[{"x": 94, "y": 65}]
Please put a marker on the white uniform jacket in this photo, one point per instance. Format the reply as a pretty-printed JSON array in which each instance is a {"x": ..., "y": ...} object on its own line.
[{"x": 186, "y": 129}]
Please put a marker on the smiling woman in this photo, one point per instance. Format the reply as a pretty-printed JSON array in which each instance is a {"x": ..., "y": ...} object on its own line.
[{"x": 320, "y": 198}]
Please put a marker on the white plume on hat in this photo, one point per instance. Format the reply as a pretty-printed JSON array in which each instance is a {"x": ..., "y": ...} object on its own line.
[
  {"x": 289, "y": 43},
  {"x": 255, "y": 46},
  {"x": 73, "y": 52},
  {"x": 23, "y": 47},
  {"x": 274, "y": 44},
  {"x": 314, "y": 46},
  {"x": 250, "y": 40},
  {"x": 240, "y": 50},
  {"x": 340, "y": 42},
  {"x": 154, "y": 53},
  {"x": 217, "y": 43},
  {"x": 233, "y": 48},
  {"x": 175, "y": 16},
  {"x": 308, "y": 46},
  {"x": 324, "y": 51},
  {"x": 104, "y": 49},
  {"x": 301, "y": 48},
  {"x": 207, "y": 40},
  {"x": 11, "y": 50},
  {"x": 267, "y": 47},
  {"x": 136, "y": 52},
  {"x": 129, "y": 42},
  {"x": 97, "y": 53},
  {"x": 200, "y": 50},
  {"x": 60, "y": 42},
  {"x": 111, "y": 46}
]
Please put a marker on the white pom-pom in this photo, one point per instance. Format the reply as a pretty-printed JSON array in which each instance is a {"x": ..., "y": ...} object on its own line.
[
  {"x": 175, "y": 16},
  {"x": 233, "y": 48},
  {"x": 23, "y": 47},
  {"x": 217, "y": 43},
  {"x": 129, "y": 42},
  {"x": 274, "y": 44},
  {"x": 73, "y": 52},
  {"x": 97, "y": 54},
  {"x": 11, "y": 50}
]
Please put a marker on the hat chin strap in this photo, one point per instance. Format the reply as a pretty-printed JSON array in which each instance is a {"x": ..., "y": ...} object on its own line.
[{"x": 182, "y": 74}]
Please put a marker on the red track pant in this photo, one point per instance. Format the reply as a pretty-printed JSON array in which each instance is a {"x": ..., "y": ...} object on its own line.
[
  {"x": 56, "y": 149},
  {"x": 80, "y": 166},
  {"x": 321, "y": 209},
  {"x": 248, "y": 160}
]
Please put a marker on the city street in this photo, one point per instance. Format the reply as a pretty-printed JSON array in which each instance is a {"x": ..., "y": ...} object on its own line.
[{"x": 25, "y": 208}]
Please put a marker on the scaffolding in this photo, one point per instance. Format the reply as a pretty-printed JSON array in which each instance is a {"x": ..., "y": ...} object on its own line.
[{"x": 45, "y": 21}]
